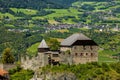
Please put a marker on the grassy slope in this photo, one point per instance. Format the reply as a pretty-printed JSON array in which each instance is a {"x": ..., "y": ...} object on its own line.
[
  {"x": 105, "y": 56},
  {"x": 25, "y": 11},
  {"x": 32, "y": 50},
  {"x": 64, "y": 12}
]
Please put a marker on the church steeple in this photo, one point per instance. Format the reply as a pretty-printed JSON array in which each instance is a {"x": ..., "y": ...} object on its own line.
[{"x": 43, "y": 47}]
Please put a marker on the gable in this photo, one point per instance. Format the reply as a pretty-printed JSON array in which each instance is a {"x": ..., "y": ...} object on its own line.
[
  {"x": 84, "y": 42},
  {"x": 73, "y": 38}
]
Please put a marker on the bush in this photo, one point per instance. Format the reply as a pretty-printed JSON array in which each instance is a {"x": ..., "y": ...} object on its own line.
[
  {"x": 106, "y": 67},
  {"x": 99, "y": 71}
]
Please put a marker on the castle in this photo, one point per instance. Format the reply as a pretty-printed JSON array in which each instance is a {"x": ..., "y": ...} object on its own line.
[{"x": 75, "y": 49}]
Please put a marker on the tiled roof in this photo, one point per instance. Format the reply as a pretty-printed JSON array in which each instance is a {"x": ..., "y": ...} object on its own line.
[
  {"x": 43, "y": 44},
  {"x": 3, "y": 72},
  {"x": 71, "y": 39}
]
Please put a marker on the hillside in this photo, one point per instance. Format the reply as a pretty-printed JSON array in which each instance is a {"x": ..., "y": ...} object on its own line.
[
  {"x": 34, "y": 21},
  {"x": 90, "y": 12},
  {"x": 35, "y": 4}
]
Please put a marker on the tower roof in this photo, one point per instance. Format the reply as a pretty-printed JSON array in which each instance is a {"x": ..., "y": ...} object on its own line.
[
  {"x": 43, "y": 44},
  {"x": 71, "y": 39}
]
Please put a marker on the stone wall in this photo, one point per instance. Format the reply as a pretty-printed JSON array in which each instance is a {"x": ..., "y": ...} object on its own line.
[
  {"x": 65, "y": 48},
  {"x": 35, "y": 62},
  {"x": 80, "y": 54},
  {"x": 83, "y": 54},
  {"x": 30, "y": 63},
  {"x": 7, "y": 67}
]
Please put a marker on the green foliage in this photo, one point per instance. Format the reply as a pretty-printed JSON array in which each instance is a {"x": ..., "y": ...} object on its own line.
[
  {"x": 22, "y": 75},
  {"x": 35, "y": 4},
  {"x": 18, "y": 73},
  {"x": 14, "y": 70},
  {"x": 116, "y": 67},
  {"x": 89, "y": 71},
  {"x": 67, "y": 52},
  {"x": 7, "y": 57},
  {"x": 106, "y": 67},
  {"x": 54, "y": 44}
]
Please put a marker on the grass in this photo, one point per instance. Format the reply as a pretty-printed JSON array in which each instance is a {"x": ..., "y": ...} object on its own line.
[
  {"x": 32, "y": 50},
  {"x": 7, "y": 14},
  {"x": 25, "y": 11},
  {"x": 62, "y": 12},
  {"x": 106, "y": 56},
  {"x": 62, "y": 30},
  {"x": 52, "y": 21}
]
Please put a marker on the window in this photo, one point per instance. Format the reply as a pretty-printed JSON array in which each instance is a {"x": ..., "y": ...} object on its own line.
[
  {"x": 86, "y": 54},
  {"x": 81, "y": 54},
  {"x": 76, "y": 54},
  {"x": 92, "y": 54}
]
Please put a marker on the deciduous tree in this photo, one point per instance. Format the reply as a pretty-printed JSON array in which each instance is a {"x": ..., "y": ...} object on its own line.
[{"x": 7, "y": 57}]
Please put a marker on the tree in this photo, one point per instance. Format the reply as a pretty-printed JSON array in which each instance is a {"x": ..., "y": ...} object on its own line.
[
  {"x": 7, "y": 57},
  {"x": 54, "y": 44}
]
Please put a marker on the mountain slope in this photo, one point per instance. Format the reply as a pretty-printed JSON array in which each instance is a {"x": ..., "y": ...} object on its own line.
[{"x": 35, "y": 4}]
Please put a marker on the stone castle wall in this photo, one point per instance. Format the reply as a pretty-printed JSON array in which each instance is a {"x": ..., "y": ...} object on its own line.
[
  {"x": 7, "y": 67},
  {"x": 65, "y": 48},
  {"x": 78, "y": 54},
  {"x": 81, "y": 54},
  {"x": 35, "y": 62}
]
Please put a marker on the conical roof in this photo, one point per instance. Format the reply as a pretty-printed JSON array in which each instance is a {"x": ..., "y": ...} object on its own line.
[
  {"x": 71, "y": 39},
  {"x": 43, "y": 44}
]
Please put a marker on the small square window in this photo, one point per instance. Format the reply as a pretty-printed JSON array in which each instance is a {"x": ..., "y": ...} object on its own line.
[
  {"x": 92, "y": 54},
  {"x": 76, "y": 54},
  {"x": 81, "y": 54},
  {"x": 86, "y": 53}
]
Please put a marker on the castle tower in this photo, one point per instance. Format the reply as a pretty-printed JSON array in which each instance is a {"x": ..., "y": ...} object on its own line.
[
  {"x": 43, "y": 47},
  {"x": 43, "y": 57}
]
